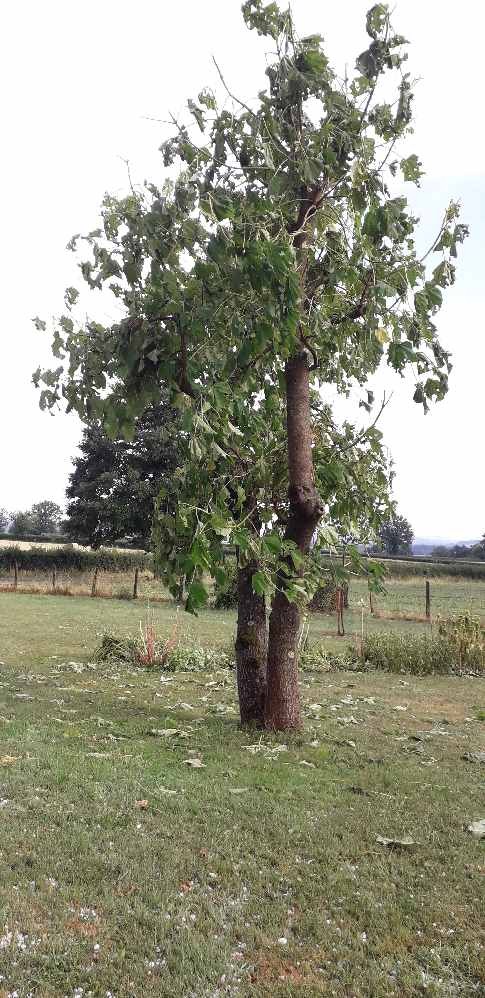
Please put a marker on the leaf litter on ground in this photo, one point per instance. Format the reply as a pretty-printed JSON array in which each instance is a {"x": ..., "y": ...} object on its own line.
[{"x": 405, "y": 843}]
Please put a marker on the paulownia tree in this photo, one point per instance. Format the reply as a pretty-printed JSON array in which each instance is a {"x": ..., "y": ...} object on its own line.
[{"x": 276, "y": 259}]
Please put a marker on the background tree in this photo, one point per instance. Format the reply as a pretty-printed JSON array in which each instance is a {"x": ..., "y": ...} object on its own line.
[
  {"x": 479, "y": 549},
  {"x": 4, "y": 520},
  {"x": 21, "y": 523},
  {"x": 396, "y": 536},
  {"x": 278, "y": 261},
  {"x": 45, "y": 517},
  {"x": 114, "y": 484}
]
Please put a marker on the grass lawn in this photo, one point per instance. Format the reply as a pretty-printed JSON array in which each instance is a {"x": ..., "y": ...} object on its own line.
[
  {"x": 36, "y": 627},
  {"x": 127, "y": 871}
]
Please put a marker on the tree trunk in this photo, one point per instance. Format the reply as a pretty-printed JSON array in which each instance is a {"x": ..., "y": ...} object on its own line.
[
  {"x": 251, "y": 648},
  {"x": 282, "y": 708}
]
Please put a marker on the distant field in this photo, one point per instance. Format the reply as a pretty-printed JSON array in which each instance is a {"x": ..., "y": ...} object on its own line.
[
  {"x": 406, "y": 595},
  {"x": 448, "y": 595},
  {"x": 34, "y": 627}
]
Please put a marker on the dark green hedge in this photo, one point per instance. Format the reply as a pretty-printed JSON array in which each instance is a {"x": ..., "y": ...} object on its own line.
[
  {"x": 457, "y": 569},
  {"x": 36, "y": 538},
  {"x": 70, "y": 559}
]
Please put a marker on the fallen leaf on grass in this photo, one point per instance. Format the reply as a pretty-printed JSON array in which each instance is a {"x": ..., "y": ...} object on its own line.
[
  {"x": 238, "y": 790},
  {"x": 404, "y": 843},
  {"x": 269, "y": 750},
  {"x": 195, "y": 763},
  {"x": 477, "y": 829},
  {"x": 166, "y": 732},
  {"x": 142, "y": 804},
  {"x": 309, "y": 765},
  {"x": 399, "y": 707},
  {"x": 474, "y": 756}
]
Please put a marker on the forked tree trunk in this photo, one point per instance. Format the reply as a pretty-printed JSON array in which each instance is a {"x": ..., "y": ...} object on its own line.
[
  {"x": 282, "y": 707},
  {"x": 251, "y": 649}
]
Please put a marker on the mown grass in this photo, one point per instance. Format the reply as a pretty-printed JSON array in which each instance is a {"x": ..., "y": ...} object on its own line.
[{"x": 125, "y": 871}]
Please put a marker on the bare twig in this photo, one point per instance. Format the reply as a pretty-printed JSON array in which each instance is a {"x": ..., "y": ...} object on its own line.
[{"x": 231, "y": 95}]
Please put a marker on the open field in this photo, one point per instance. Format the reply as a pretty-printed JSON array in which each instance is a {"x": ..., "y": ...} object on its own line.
[
  {"x": 75, "y": 622},
  {"x": 128, "y": 872},
  {"x": 34, "y": 627},
  {"x": 448, "y": 595}
]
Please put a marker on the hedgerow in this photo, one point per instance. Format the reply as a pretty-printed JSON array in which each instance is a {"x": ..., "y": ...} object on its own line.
[
  {"x": 68, "y": 558},
  {"x": 397, "y": 568},
  {"x": 36, "y": 538}
]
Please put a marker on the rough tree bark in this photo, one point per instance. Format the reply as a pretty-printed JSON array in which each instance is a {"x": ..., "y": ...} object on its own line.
[
  {"x": 251, "y": 648},
  {"x": 282, "y": 707}
]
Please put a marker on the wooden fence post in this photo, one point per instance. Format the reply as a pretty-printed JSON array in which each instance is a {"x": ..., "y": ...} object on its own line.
[
  {"x": 15, "y": 574},
  {"x": 95, "y": 580},
  {"x": 428, "y": 600},
  {"x": 371, "y": 602},
  {"x": 135, "y": 585},
  {"x": 54, "y": 579},
  {"x": 339, "y": 601}
]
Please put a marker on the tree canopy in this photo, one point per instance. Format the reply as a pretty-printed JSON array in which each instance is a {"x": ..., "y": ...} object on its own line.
[
  {"x": 396, "y": 536},
  {"x": 114, "y": 484},
  {"x": 43, "y": 518},
  {"x": 46, "y": 517},
  {"x": 276, "y": 258}
]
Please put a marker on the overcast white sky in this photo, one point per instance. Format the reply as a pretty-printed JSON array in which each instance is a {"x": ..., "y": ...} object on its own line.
[{"x": 80, "y": 80}]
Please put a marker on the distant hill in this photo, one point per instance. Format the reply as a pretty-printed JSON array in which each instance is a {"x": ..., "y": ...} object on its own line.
[{"x": 425, "y": 545}]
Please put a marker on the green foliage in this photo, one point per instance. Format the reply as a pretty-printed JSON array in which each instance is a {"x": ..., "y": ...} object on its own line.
[
  {"x": 317, "y": 658},
  {"x": 397, "y": 569},
  {"x": 325, "y": 597},
  {"x": 21, "y": 523},
  {"x": 70, "y": 559},
  {"x": 45, "y": 517},
  {"x": 464, "y": 633},
  {"x": 177, "y": 658},
  {"x": 4, "y": 520},
  {"x": 478, "y": 550},
  {"x": 225, "y": 588},
  {"x": 457, "y": 647},
  {"x": 396, "y": 536},
  {"x": 114, "y": 484},
  {"x": 216, "y": 293},
  {"x": 41, "y": 520}
]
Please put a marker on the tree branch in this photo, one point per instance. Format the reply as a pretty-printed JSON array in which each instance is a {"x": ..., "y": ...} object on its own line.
[
  {"x": 231, "y": 95},
  {"x": 361, "y": 436}
]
